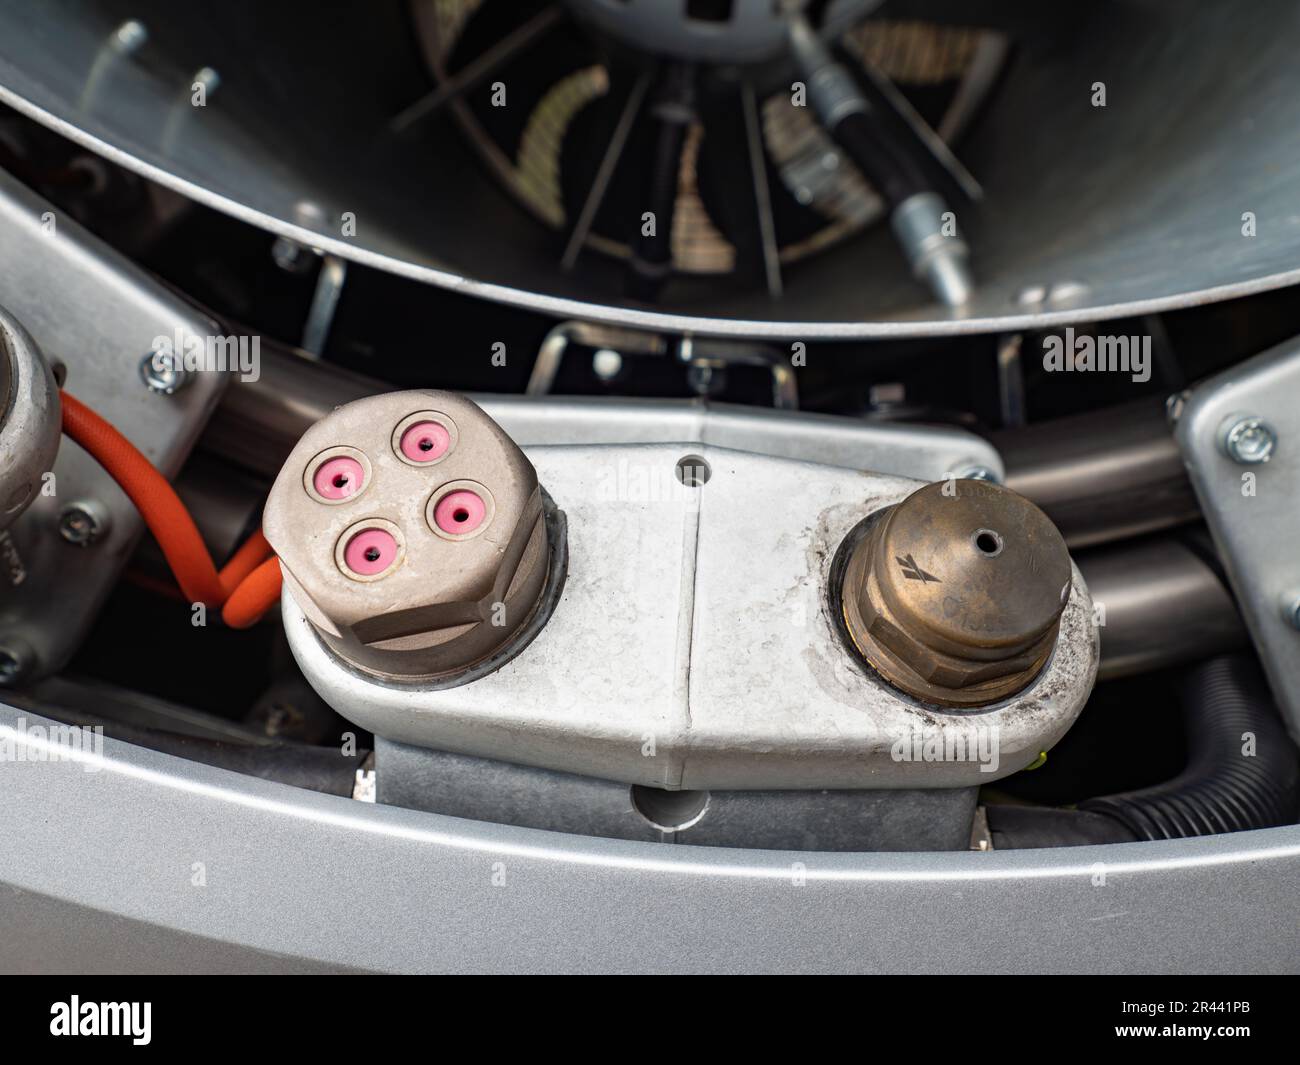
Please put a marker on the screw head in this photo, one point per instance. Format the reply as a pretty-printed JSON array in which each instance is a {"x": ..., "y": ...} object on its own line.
[
  {"x": 163, "y": 373},
  {"x": 1248, "y": 440},
  {"x": 290, "y": 256},
  {"x": 978, "y": 473},
  {"x": 79, "y": 525}
]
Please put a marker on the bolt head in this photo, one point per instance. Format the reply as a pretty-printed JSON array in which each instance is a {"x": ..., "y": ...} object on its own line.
[
  {"x": 1248, "y": 440},
  {"x": 163, "y": 373},
  {"x": 79, "y": 526},
  {"x": 979, "y": 473},
  {"x": 290, "y": 256},
  {"x": 16, "y": 660},
  {"x": 11, "y": 666}
]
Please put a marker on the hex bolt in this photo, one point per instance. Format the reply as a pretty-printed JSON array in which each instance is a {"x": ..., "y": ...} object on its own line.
[
  {"x": 82, "y": 524},
  {"x": 1247, "y": 439},
  {"x": 163, "y": 373}
]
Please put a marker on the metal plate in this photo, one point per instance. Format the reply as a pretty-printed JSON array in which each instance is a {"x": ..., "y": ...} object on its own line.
[
  {"x": 692, "y": 646},
  {"x": 1252, "y": 510},
  {"x": 98, "y": 315}
]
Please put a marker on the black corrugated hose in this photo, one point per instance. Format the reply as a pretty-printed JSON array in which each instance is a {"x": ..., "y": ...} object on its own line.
[{"x": 1243, "y": 772}]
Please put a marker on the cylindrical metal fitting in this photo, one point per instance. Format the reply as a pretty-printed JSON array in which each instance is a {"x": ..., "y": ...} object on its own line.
[
  {"x": 937, "y": 257},
  {"x": 955, "y": 594},
  {"x": 29, "y": 419},
  {"x": 412, "y": 532}
]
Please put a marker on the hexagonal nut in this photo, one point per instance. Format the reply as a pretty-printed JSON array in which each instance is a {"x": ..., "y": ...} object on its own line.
[
  {"x": 410, "y": 530},
  {"x": 940, "y": 669},
  {"x": 955, "y": 597}
]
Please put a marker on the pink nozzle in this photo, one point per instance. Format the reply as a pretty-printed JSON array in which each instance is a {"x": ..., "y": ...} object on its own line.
[
  {"x": 371, "y": 551},
  {"x": 459, "y": 512},
  {"x": 425, "y": 442},
  {"x": 338, "y": 478}
]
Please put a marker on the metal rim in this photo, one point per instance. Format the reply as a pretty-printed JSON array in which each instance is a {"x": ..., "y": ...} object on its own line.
[{"x": 565, "y": 307}]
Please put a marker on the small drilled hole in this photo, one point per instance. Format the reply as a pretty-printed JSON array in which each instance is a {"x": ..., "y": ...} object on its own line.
[
  {"x": 693, "y": 471},
  {"x": 989, "y": 543},
  {"x": 338, "y": 478},
  {"x": 370, "y": 552},
  {"x": 669, "y": 811},
  {"x": 424, "y": 442},
  {"x": 460, "y": 512}
]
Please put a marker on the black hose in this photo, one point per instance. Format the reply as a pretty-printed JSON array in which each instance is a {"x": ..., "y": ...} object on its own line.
[
  {"x": 1026, "y": 827},
  {"x": 885, "y": 160},
  {"x": 1243, "y": 772},
  {"x": 1242, "y": 769},
  {"x": 652, "y": 253}
]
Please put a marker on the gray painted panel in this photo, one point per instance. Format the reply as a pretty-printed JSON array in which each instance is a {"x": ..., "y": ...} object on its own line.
[{"x": 337, "y": 882}]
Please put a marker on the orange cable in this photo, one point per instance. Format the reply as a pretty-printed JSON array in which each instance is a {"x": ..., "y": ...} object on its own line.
[
  {"x": 171, "y": 523},
  {"x": 251, "y": 554},
  {"x": 256, "y": 594}
]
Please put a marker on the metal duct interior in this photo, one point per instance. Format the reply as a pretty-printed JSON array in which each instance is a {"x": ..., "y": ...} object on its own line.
[{"x": 1088, "y": 211}]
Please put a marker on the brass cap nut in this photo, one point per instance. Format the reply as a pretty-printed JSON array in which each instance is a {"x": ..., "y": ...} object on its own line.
[
  {"x": 410, "y": 530},
  {"x": 955, "y": 594}
]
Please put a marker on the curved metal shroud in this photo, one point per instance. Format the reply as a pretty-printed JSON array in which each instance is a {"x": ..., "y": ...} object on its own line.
[{"x": 1090, "y": 211}]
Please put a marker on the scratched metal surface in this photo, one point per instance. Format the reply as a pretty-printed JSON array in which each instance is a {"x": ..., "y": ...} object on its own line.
[{"x": 696, "y": 621}]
